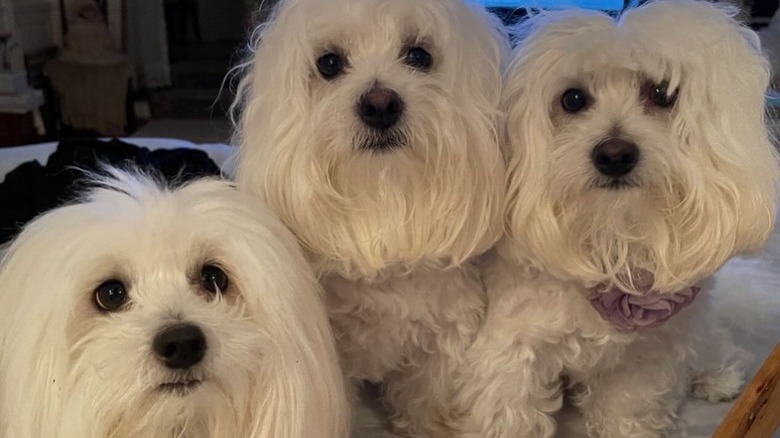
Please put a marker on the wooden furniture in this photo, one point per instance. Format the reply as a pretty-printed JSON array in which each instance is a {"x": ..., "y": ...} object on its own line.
[
  {"x": 756, "y": 414},
  {"x": 93, "y": 97}
]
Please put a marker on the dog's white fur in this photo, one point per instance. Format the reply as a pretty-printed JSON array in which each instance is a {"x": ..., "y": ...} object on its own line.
[
  {"x": 390, "y": 233},
  {"x": 704, "y": 190},
  {"x": 69, "y": 370}
]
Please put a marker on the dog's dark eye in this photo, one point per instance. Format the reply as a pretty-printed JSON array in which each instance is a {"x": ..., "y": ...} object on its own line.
[
  {"x": 213, "y": 279},
  {"x": 418, "y": 58},
  {"x": 330, "y": 65},
  {"x": 110, "y": 295},
  {"x": 659, "y": 95},
  {"x": 574, "y": 100}
]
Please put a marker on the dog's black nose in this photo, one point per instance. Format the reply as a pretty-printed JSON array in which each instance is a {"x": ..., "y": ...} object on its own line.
[
  {"x": 180, "y": 346},
  {"x": 615, "y": 157},
  {"x": 380, "y": 108}
]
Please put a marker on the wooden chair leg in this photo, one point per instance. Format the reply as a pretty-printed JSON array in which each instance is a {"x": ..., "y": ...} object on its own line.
[{"x": 756, "y": 414}]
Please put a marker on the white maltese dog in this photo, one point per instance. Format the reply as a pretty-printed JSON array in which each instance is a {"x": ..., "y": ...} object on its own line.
[
  {"x": 639, "y": 163},
  {"x": 142, "y": 311},
  {"x": 371, "y": 128}
]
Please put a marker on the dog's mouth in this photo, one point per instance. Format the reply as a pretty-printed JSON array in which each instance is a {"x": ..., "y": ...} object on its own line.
[
  {"x": 180, "y": 388},
  {"x": 621, "y": 183},
  {"x": 382, "y": 141}
]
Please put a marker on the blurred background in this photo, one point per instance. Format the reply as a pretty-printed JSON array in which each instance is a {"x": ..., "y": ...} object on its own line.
[{"x": 150, "y": 68}]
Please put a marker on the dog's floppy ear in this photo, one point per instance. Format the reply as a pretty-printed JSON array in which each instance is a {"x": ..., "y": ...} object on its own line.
[
  {"x": 299, "y": 391},
  {"x": 527, "y": 146},
  {"x": 527, "y": 100},
  {"x": 273, "y": 93},
  {"x": 720, "y": 113},
  {"x": 35, "y": 305},
  {"x": 480, "y": 46}
]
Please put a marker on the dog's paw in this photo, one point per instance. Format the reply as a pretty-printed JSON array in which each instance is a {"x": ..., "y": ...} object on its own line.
[{"x": 718, "y": 385}]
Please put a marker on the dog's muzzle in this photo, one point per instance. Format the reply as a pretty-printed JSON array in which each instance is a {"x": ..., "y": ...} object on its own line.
[{"x": 181, "y": 387}]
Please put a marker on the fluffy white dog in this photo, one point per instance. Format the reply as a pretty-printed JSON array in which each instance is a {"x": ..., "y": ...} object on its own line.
[
  {"x": 370, "y": 127},
  {"x": 639, "y": 162},
  {"x": 142, "y": 311}
]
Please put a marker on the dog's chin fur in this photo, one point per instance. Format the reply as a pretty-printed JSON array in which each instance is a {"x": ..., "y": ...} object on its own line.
[
  {"x": 436, "y": 195},
  {"x": 705, "y": 186},
  {"x": 704, "y": 189},
  {"x": 69, "y": 370}
]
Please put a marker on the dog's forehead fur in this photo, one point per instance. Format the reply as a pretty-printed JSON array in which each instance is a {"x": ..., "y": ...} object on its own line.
[
  {"x": 364, "y": 21},
  {"x": 137, "y": 231},
  {"x": 146, "y": 235},
  {"x": 633, "y": 40},
  {"x": 369, "y": 28},
  {"x": 376, "y": 30}
]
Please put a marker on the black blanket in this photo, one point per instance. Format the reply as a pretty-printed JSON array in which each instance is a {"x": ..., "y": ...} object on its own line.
[{"x": 31, "y": 189}]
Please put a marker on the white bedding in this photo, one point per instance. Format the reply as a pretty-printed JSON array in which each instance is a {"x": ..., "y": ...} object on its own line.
[{"x": 756, "y": 322}]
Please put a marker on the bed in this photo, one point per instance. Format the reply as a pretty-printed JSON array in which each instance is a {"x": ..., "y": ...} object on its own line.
[{"x": 755, "y": 322}]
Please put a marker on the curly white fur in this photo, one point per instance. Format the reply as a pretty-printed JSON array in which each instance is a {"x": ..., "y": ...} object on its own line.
[
  {"x": 704, "y": 190},
  {"x": 390, "y": 232},
  {"x": 70, "y": 370}
]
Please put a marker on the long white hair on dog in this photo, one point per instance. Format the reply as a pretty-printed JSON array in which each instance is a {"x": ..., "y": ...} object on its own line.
[
  {"x": 433, "y": 191},
  {"x": 706, "y": 183},
  {"x": 88, "y": 290}
]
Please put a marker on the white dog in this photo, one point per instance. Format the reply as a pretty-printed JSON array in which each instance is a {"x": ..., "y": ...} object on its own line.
[
  {"x": 371, "y": 128},
  {"x": 142, "y": 311},
  {"x": 639, "y": 162}
]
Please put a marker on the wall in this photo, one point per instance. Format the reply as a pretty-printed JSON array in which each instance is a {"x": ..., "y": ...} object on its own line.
[
  {"x": 10, "y": 49},
  {"x": 116, "y": 21},
  {"x": 147, "y": 43},
  {"x": 39, "y": 23},
  {"x": 222, "y": 19}
]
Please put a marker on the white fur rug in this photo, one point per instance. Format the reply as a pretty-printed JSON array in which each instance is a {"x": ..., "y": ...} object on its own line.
[{"x": 748, "y": 292}]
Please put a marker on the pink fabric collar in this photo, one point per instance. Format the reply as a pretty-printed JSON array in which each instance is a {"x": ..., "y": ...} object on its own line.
[{"x": 629, "y": 312}]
